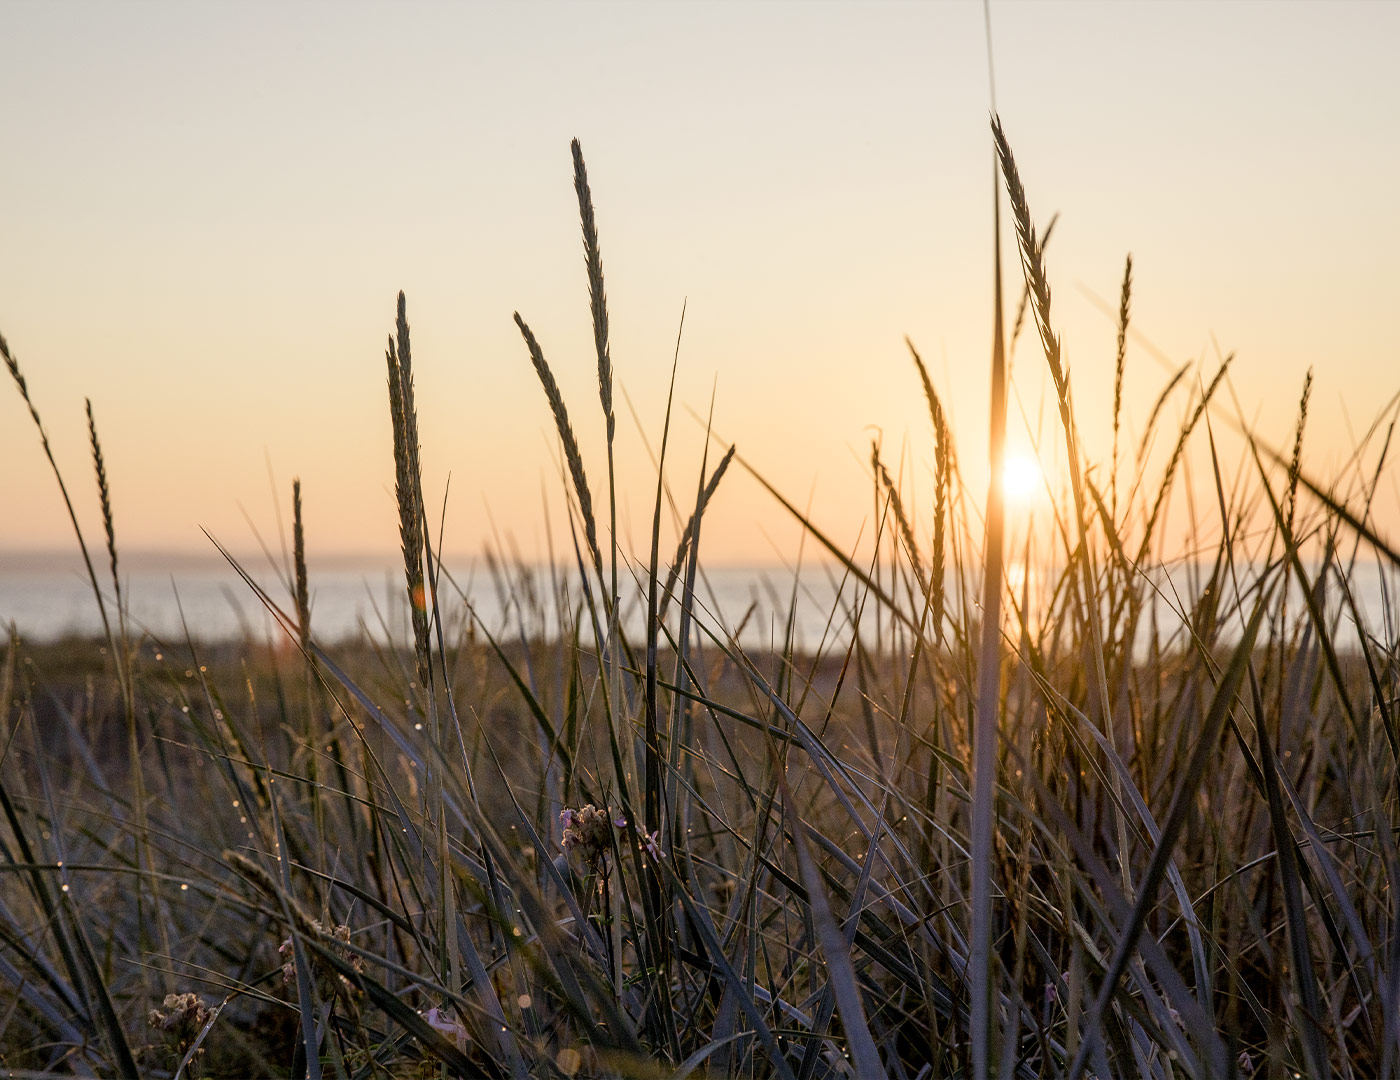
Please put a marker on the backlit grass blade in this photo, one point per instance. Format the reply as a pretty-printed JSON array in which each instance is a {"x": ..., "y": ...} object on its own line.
[
  {"x": 1205, "y": 749},
  {"x": 987, "y": 709}
]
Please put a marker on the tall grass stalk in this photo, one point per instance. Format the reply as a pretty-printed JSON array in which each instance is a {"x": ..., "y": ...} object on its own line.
[
  {"x": 23, "y": 386},
  {"x": 1125, "y": 299},
  {"x": 598, "y": 304},
  {"x": 560, "y": 413},
  {"x": 986, "y": 722},
  {"x": 1033, "y": 267},
  {"x": 303, "y": 588},
  {"x": 417, "y": 553}
]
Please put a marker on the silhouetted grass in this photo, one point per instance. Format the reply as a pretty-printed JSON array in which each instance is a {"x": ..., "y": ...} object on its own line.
[{"x": 1144, "y": 825}]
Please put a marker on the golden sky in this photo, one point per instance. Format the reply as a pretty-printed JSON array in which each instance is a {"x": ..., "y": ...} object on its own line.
[{"x": 206, "y": 213}]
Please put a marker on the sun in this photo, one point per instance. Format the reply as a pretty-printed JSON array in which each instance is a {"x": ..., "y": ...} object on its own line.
[{"x": 1021, "y": 478}]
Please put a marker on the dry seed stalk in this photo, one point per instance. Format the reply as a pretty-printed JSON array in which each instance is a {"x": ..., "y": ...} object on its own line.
[
  {"x": 121, "y": 651},
  {"x": 906, "y": 531},
  {"x": 418, "y": 596},
  {"x": 13, "y": 365},
  {"x": 121, "y": 654},
  {"x": 1124, "y": 306},
  {"x": 1033, "y": 266},
  {"x": 406, "y": 492},
  {"x": 566, "y": 436},
  {"x": 105, "y": 496},
  {"x": 1296, "y": 465},
  {"x": 303, "y": 597},
  {"x": 942, "y": 453},
  {"x": 598, "y": 304},
  {"x": 597, "y": 296},
  {"x": 1025, "y": 289},
  {"x": 942, "y": 482}
]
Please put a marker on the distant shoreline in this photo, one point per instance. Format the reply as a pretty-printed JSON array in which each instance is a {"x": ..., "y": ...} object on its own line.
[{"x": 157, "y": 560}]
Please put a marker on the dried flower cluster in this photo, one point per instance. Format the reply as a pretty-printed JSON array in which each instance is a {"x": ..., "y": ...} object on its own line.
[
  {"x": 180, "y": 1019},
  {"x": 589, "y": 831},
  {"x": 328, "y": 980}
]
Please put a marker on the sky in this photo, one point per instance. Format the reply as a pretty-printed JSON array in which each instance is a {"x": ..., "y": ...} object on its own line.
[{"x": 207, "y": 211}]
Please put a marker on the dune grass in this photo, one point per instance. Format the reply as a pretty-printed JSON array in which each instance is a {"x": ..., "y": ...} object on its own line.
[{"x": 1130, "y": 828}]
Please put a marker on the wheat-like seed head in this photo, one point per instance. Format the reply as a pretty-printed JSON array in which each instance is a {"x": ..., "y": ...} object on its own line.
[
  {"x": 566, "y": 436},
  {"x": 1124, "y": 308},
  {"x": 1025, "y": 289},
  {"x": 597, "y": 295},
  {"x": 906, "y": 531},
  {"x": 303, "y": 592},
  {"x": 942, "y": 482},
  {"x": 410, "y": 428},
  {"x": 13, "y": 365},
  {"x": 104, "y": 494},
  {"x": 1295, "y": 466},
  {"x": 1033, "y": 264},
  {"x": 407, "y": 488}
]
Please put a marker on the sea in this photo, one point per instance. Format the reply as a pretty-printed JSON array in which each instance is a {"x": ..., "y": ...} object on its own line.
[{"x": 170, "y": 598}]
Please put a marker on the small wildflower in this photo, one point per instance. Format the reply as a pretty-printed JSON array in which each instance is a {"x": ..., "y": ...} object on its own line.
[
  {"x": 588, "y": 831},
  {"x": 1246, "y": 1063}
]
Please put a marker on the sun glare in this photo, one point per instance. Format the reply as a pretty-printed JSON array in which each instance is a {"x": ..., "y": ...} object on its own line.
[{"x": 1020, "y": 478}]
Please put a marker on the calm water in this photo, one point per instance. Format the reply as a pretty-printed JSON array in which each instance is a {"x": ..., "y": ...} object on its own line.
[{"x": 48, "y": 599}]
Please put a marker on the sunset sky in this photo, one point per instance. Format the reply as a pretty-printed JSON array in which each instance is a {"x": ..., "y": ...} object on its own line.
[{"x": 206, "y": 213}]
